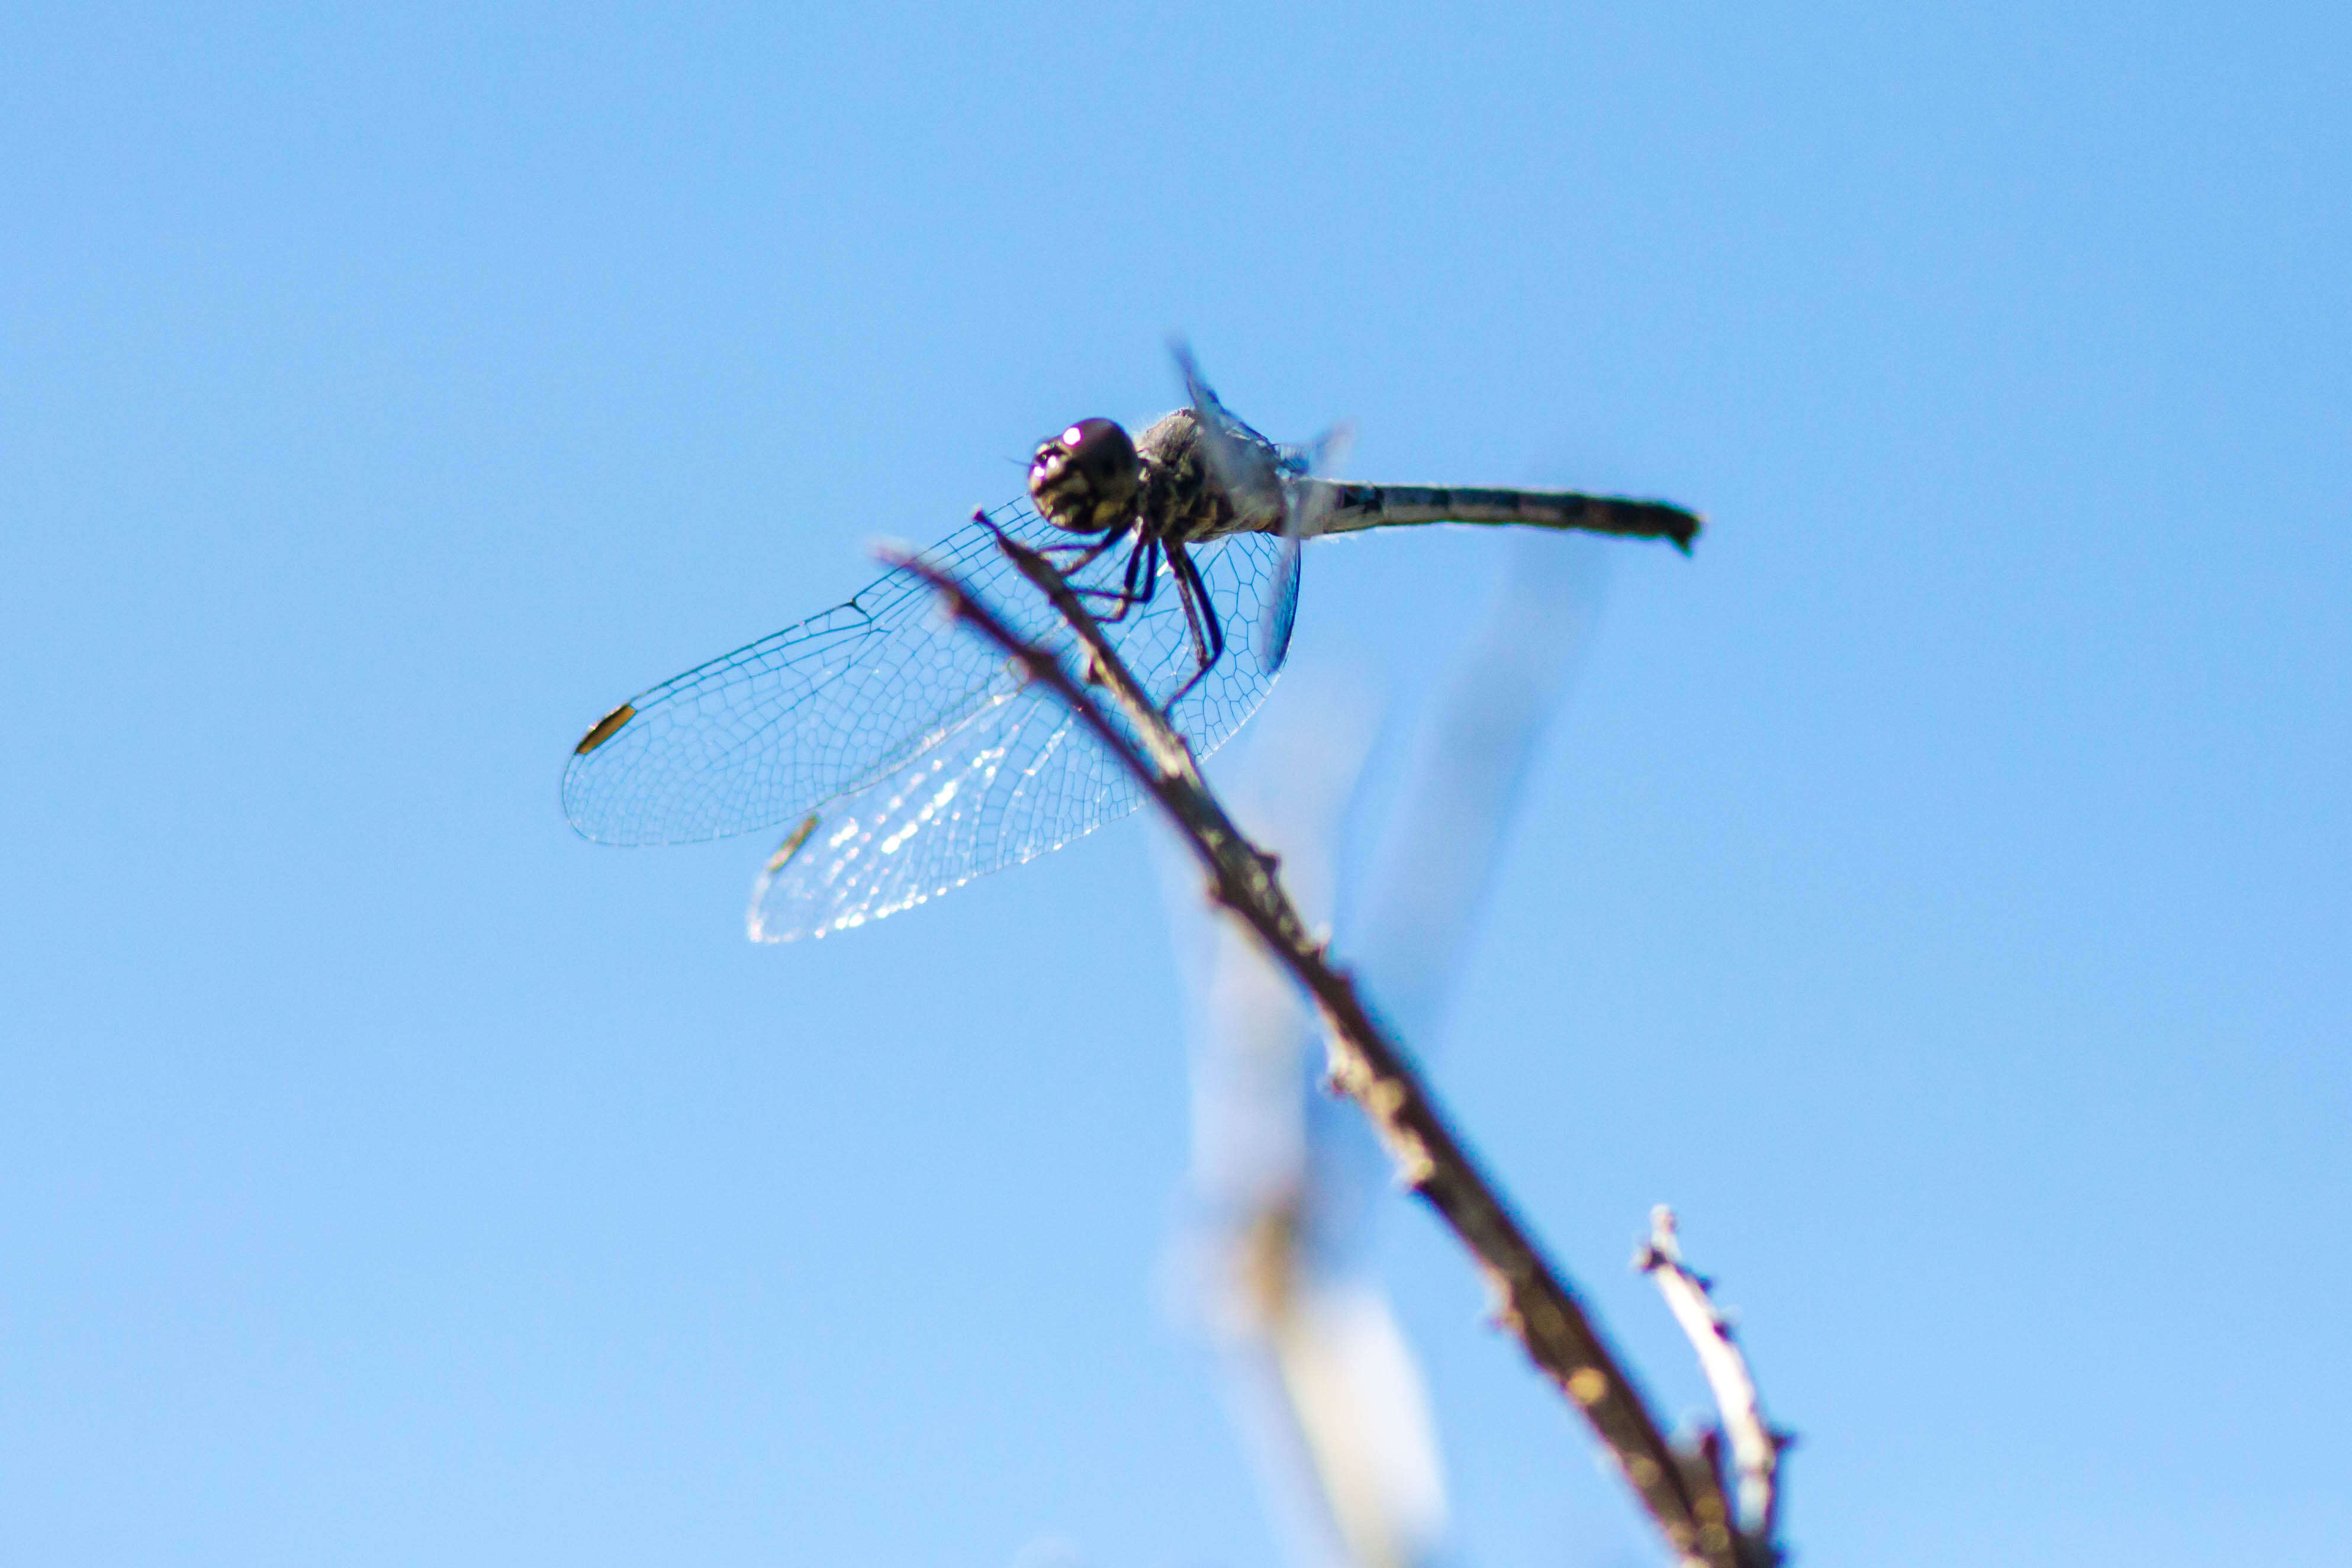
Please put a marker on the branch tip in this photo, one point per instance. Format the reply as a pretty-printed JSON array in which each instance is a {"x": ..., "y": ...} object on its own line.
[{"x": 1752, "y": 1475}]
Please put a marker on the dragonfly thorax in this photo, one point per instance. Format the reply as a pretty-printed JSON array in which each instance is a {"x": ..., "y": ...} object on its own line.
[
  {"x": 1184, "y": 500},
  {"x": 1086, "y": 479}
]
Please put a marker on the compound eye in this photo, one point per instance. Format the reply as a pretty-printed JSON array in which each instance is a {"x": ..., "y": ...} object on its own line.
[
  {"x": 1086, "y": 478},
  {"x": 1101, "y": 448}
]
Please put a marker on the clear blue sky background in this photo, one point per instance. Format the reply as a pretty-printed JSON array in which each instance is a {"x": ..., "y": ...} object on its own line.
[{"x": 1937, "y": 889}]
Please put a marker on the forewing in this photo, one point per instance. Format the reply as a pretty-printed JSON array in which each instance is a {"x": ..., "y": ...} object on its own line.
[
  {"x": 1246, "y": 465},
  {"x": 764, "y": 735},
  {"x": 766, "y": 731},
  {"x": 1017, "y": 777}
]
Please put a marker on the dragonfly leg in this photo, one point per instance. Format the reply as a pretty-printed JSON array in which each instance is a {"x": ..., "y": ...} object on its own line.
[
  {"x": 1082, "y": 556},
  {"x": 1200, "y": 619},
  {"x": 1142, "y": 578},
  {"x": 1072, "y": 558}
]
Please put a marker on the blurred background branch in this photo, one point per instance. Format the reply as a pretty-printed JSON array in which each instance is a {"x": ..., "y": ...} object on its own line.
[
  {"x": 1534, "y": 1302},
  {"x": 1321, "y": 1379},
  {"x": 1324, "y": 1381}
]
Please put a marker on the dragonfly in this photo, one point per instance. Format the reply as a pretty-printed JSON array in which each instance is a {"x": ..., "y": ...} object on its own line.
[{"x": 904, "y": 758}]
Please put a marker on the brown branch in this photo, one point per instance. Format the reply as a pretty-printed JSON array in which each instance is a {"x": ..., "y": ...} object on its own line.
[
  {"x": 1534, "y": 1301},
  {"x": 1755, "y": 1445}
]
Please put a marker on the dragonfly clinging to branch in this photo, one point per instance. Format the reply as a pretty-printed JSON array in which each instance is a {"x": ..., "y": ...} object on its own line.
[{"x": 906, "y": 759}]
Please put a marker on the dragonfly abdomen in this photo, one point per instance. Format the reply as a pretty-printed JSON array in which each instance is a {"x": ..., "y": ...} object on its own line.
[{"x": 1354, "y": 508}]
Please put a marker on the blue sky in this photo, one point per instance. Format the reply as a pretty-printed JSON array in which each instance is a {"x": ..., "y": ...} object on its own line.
[{"x": 1936, "y": 887}]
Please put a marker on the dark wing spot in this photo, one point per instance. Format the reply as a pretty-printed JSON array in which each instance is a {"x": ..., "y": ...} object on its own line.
[
  {"x": 605, "y": 728},
  {"x": 792, "y": 846}
]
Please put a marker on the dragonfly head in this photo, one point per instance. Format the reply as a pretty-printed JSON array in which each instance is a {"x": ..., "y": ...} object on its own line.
[{"x": 1086, "y": 479}]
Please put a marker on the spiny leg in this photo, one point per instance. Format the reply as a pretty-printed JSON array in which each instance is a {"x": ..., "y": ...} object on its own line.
[
  {"x": 1074, "y": 557},
  {"x": 1141, "y": 580},
  {"x": 1084, "y": 556},
  {"x": 1200, "y": 619}
]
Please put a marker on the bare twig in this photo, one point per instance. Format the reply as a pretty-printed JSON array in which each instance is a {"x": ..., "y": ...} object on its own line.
[
  {"x": 1534, "y": 1301},
  {"x": 1755, "y": 1445}
]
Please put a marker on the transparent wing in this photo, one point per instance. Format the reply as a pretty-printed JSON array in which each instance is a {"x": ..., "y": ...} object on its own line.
[
  {"x": 1247, "y": 464},
  {"x": 768, "y": 732},
  {"x": 1016, "y": 777},
  {"x": 1262, "y": 479},
  {"x": 1304, "y": 508}
]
